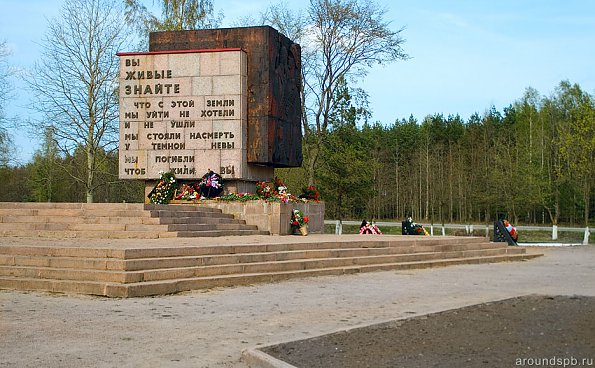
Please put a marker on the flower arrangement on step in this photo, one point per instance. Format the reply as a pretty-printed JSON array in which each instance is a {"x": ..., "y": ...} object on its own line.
[
  {"x": 265, "y": 190},
  {"x": 275, "y": 191},
  {"x": 299, "y": 222},
  {"x": 211, "y": 187},
  {"x": 163, "y": 192},
  {"x": 187, "y": 192}
]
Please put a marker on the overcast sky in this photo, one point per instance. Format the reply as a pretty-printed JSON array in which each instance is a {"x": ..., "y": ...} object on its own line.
[{"x": 466, "y": 55}]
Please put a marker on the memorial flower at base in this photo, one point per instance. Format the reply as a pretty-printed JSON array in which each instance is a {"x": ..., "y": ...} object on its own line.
[
  {"x": 187, "y": 192},
  {"x": 165, "y": 188},
  {"x": 265, "y": 189},
  {"x": 299, "y": 222}
]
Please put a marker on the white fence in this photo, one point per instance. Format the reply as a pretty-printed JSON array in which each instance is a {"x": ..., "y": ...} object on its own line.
[{"x": 439, "y": 229}]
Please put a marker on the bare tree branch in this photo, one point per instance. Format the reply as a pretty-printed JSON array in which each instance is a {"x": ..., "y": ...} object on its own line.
[{"x": 75, "y": 81}]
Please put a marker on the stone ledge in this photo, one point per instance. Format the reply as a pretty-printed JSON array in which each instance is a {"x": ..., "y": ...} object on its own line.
[{"x": 273, "y": 217}]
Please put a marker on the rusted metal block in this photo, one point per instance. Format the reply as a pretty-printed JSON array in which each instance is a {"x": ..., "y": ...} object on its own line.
[{"x": 274, "y": 84}]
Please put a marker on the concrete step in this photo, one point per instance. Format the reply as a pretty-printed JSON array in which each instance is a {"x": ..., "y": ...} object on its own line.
[
  {"x": 26, "y": 214},
  {"x": 117, "y": 221},
  {"x": 324, "y": 248},
  {"x": 191, "y": 214},
  {"x": 306, "y": 264},
  {"x": 156, "y": 258},
  {"x": 106, "y": 227},
  {"x": 159, "y": 287},
  {"x": 254, "y": 254},
  {"x": 196, "y": 283},
  {"x": 6, "y": 214},
  {"x": 214, "y": 233},
  {"x": 53, "y": 270},
  {"x": 70, "y": 274},
  {"x": 87, "y": 234},
  {"x": 209, "y": 227},
  {"x": 63, "y": 262},
  {"x": 57, "y": 286},
  {"x": 60, "y": 205},
  {"x": 15, "y": 219},
  {"x": 198, "y": 220}
]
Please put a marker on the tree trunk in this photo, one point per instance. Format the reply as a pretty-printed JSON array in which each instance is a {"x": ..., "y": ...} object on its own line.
[
  {"x": 90, "y": 175},
  {"x": 586, "y": 198},
  {"x": 313, "y": 153},
  {"x": 427, "y": 180}
]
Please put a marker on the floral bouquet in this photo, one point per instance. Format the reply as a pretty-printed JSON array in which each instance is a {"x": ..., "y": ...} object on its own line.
[
  {"x": 265, "y": 189},
  {"x": 310, "y": 193},
  {"x": 211, "y": 185},
  {"x": 187, "y": 192},
  {"x": 299, "y": 221},
  {"x": 164, "y": 190}
]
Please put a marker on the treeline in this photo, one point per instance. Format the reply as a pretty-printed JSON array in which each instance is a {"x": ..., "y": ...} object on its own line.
[
  {"x": 50, "y": 177},
  {"x": 533, "y": 162}
]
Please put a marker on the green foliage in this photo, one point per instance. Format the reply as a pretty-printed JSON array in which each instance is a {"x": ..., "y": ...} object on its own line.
[
  {"x": 346, "y": 173},
  {"x": 176, "y": 15},
  {"x": 240, "y": 197},
  {"x": 14, "y": 184},
  {"x": 532, "y": 161}
]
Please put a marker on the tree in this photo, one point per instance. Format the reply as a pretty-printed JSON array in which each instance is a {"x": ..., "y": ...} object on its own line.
[
  {"x": 6, "y": 144},
  {"x": 346, "y": 170},
  {"x": 176, "y": 15},
  {"x": 340, "y": 39},
  {"x": 75, "y": 82},
  {"x": 349, "y": 36},
  {"x": 577, "y": 139},
  {"x": 44, "y": 168}
]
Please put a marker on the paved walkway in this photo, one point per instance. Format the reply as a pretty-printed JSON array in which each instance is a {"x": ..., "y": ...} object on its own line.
[{"x": 210, "y": 328}]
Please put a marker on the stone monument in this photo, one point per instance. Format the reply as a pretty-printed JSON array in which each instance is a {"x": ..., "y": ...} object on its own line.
[{"x": 227, "y": 100}]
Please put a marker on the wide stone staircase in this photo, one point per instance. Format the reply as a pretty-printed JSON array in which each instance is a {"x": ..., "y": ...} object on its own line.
[
  {"x": 117, "y": 221},
  {"x": 159, "y": 268}
]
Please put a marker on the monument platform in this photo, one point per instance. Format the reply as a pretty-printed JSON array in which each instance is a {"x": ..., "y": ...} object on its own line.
[{"x": 144, "y": 267}]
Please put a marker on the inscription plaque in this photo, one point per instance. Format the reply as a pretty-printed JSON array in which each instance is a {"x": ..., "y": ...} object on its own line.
[{"x": 184, "y": 111}]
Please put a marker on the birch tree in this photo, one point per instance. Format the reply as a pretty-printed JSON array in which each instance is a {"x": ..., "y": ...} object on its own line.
[
  {"x": 340, "y": 40},
  {"x": 75, "y": 82},
  {"x": 176, "y": 15},
  {"x": 6, "y": 144}
]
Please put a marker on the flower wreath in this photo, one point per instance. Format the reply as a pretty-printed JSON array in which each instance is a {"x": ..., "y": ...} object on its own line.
[
  {"x": 211, "y": 185},
  {"x": 163, "y": 192}
]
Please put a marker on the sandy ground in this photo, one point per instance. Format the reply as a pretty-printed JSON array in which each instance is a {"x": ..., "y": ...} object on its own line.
[{"x": 210, "y": 328}]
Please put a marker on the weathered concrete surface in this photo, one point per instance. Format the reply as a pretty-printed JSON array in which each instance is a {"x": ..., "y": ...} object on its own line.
[
  {"x": 209, "y": 329},
  {"x": 274, "y": 84}
]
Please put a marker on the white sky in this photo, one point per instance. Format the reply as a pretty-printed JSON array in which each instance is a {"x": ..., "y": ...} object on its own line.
[{"x": 466, "y": 55}]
